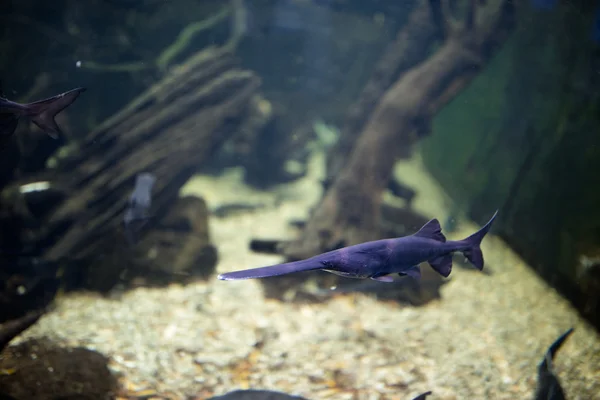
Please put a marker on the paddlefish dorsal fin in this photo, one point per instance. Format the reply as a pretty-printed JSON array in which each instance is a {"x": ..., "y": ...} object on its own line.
[{"x": 432, "y": 230}]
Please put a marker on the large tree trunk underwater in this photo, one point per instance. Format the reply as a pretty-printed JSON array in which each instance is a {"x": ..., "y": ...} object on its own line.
[
  {"x": 349, "y": 212},
  {"x": 411, "y": 46}
]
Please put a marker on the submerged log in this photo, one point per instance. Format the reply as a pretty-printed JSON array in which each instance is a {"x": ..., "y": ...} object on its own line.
[
  {"x": 169, "y": 131},
  {"x": 349, "y": 213},
  {"x": 176, "y": 249}
]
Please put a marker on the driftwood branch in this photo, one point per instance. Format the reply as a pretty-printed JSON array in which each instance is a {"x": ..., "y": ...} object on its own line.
[
  {"x": 169, "y": 131},
  {"x": 349, "y": 213}
]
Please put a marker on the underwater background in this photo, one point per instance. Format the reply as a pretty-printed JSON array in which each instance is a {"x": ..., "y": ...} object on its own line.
[{"x": 195, "y": 138}]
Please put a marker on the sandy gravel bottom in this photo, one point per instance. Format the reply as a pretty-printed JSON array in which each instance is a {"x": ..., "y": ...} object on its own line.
[{"x": 482, "y": 340}]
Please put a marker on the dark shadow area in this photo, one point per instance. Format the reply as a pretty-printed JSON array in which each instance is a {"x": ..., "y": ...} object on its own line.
[
  {"x": 38, "y": 369},
  {"x": 26, "y": 284}
]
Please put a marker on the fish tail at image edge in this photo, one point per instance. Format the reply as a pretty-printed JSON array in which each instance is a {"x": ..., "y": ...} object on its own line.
[
  {"x": 273, "y": 270},
  {"x": 44, "y": 111}
]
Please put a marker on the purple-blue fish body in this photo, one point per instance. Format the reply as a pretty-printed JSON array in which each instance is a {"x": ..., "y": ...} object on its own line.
[
  {"x": 380, "y": 258},
  {"x": 41, "y": 112}
]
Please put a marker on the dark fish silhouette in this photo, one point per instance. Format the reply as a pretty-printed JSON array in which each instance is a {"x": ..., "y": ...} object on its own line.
[
  {"x": 548, "y": 385},
  {"x": 380, "y": 258},
  {"x": 422, "y": 396},
  {"x": 253, "y": 394},
  {"x": 140, "y": 201},
  {"x": 41, "y": 112}
]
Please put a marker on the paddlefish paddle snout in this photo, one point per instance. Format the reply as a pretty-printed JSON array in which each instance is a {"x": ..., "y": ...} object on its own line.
[{"x": 273, "y": 270}]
